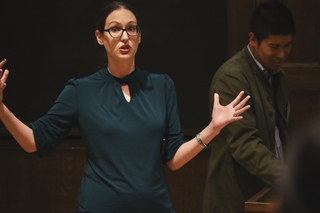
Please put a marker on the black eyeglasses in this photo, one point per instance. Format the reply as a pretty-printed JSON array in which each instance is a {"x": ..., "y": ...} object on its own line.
[{"x": 116, "y": 32}]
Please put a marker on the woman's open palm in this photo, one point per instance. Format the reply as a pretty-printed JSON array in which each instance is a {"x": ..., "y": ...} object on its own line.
[{"x": 223, "y": 115}]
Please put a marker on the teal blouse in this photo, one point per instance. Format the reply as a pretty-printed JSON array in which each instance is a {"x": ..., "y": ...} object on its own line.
[{"x": 126, "y": 142}]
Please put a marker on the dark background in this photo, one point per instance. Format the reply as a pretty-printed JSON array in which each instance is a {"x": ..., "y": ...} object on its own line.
[{"x": 48, "y": 42}]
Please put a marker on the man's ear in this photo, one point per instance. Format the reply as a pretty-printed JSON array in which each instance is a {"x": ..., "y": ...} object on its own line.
[
  {"x": 99, "y": 37},
  {"x": 253, "y": 40}
]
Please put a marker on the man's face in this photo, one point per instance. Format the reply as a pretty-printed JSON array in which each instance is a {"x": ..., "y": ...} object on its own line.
[{"x": 272, "y": 51}]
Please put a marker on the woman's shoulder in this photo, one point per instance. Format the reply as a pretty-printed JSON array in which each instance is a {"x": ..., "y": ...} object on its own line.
[
  {"x": 160, "y": 79},
  {"x": 155, "y": 76},
  {"x": 93, "y": 78}
]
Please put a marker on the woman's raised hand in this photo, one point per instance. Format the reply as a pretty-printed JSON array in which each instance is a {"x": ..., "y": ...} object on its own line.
[
  {"x": 223, "y": 115},
  {"x": 3, "y": 77}
]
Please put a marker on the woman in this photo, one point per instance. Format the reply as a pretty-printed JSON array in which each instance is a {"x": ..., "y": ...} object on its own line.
[{"x": 124, "y": 114}]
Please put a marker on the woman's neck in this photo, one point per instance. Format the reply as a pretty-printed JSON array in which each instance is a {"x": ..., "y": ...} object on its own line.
[{"x": 121, "y": 70}]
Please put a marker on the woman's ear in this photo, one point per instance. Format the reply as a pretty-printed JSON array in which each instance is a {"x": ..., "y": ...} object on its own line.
[{"x": 99, "y": 37}]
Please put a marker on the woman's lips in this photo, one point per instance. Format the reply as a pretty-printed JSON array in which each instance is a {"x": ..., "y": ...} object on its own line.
[{"x": 125, "y": 49}]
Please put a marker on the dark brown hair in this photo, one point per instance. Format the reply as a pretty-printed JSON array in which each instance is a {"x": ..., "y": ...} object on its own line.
[{"x": 109, "y": 8}]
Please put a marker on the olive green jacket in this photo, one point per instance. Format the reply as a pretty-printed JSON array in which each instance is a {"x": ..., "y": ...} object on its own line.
[{"x": 243, "y": 157}]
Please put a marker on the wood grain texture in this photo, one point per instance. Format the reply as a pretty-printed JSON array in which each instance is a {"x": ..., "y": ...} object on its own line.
[{"x": 33, "y": 184}]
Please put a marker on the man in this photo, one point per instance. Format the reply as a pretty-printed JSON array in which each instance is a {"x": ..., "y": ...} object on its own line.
[{"x": 247, "y": 155}]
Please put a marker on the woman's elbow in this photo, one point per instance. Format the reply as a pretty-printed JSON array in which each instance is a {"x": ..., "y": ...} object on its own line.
[
  {"x": 173, "y": 166},
  {"x": 30, "y": 149}
]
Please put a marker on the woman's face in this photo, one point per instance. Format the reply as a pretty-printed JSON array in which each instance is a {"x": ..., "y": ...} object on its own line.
[{"x": 124, "y": 47}]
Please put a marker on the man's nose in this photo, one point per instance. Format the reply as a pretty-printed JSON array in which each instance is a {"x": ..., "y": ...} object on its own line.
[{"x": 281, "y": 53}]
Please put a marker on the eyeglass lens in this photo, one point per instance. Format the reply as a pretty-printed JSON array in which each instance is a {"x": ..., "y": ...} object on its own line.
[{"x": 117, "y": 32}]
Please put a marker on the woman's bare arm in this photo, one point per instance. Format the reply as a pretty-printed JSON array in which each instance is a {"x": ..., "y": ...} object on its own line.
[{"x": 21, "y": 132}]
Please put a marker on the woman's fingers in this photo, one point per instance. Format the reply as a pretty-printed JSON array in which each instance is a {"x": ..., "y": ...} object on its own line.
[
  {"x": 237, "y": 99},
  {"x": 3, "y": 61},
  {"x": 216, "y": 99},
  {"x": 241, "y": 110},
  {"x": 240, "y": 105},
  {"x": 3, "y": 78},
  {"x": 242, "y": 102}
]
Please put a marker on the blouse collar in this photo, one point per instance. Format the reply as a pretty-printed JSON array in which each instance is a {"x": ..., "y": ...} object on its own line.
[{"x": 125, "y": 80}]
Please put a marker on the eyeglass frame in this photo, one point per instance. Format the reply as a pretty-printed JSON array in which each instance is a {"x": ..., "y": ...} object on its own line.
[{"x": 138, "y": 29}]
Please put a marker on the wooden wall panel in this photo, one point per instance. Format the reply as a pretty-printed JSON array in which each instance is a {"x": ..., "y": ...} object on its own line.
[
  {"x": 187, "y": 185},
  {"x": 33, "y": 184},
  {"x": 304, "y": 93},
  {"x": 238, "y": 24},
  {"x": 303, "y": 64},
  {"x": 306, "y": 46},
  {"x": 15, "y": 178}
]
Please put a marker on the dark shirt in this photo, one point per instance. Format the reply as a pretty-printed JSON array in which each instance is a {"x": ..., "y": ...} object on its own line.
[{"x": 125, "y": 153}]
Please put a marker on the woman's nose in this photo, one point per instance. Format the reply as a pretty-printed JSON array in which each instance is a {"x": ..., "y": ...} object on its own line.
[{"x": 124, "y": 36}]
